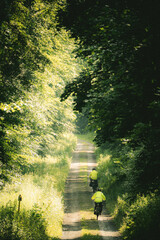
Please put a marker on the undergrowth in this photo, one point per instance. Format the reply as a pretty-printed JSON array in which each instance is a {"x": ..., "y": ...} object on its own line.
[
  {"x": 41, "y": 186},
  {"x": 141, "y": 219},
  {"x": 91, "y": 237},
  {"x": 29, "y": 225},
  {"x": 136, "y": 215},
  {"x": 89, "y": 136}
]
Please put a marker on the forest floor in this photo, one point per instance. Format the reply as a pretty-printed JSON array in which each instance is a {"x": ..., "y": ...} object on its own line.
[{"x": 79, "y": 220}]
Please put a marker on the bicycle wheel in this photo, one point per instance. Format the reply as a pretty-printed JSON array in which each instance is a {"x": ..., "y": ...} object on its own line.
[{"x": 98, "y": 210}]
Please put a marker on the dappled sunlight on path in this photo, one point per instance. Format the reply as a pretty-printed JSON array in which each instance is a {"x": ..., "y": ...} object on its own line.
[{"x": 79, "y": 221}]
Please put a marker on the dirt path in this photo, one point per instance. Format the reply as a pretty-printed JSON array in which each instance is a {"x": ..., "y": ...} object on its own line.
[{"x": 79, "y": 221}]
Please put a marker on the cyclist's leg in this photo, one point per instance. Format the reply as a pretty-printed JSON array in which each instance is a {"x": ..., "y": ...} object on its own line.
[
  {"x": 94, "y": 186},
  {"x": 90, "y": 184},
  {"x": 96, "y": 183},
  {"x": 95, "y": 206},
  {"x": 100, "y": 206}
]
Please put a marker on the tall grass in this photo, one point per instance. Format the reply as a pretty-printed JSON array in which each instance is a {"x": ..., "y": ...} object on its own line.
[
  {"x": 41, "y": 187},
  {"x": 110, "y": 178},
  {"x": 89, "y": 136}
]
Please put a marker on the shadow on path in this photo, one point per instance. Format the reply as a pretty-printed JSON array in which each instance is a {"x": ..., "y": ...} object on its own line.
[{"x": 79, "y": 221}]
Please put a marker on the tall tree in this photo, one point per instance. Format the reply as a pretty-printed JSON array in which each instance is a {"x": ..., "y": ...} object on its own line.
[
  {"x": 36, "y": 61},
  {"x": 120, "y": 87}
]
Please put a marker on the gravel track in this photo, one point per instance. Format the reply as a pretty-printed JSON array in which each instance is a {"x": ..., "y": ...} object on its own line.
[{"x": 77, "y": 199}]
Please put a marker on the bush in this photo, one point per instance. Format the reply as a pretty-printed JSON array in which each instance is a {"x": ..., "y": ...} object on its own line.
[
  {"x": 121, "y": 209},
  {"x": 111, "y": 177},
  {"x": 142, "y": 219},
  {"x": 136, "y": 212},
  {"x": 26, "y": 225}
]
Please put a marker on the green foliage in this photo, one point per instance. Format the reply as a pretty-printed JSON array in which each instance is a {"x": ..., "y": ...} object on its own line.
[
  {"x": 25, "y": 225},
  {"x": 36, "y": 62},
  {"x": 144, "y": 163},
  {"x": 137, "y": 215},
  {"x": 119, "y": 88},
  {"x": 42, "y": 187},
  {"x": 120, "y": 209},
  {"x": 91, "y": 237},
  {"x": 112, "y": 174},
  {"x": 37, "y": 59},
  {"x": 81, "y": 123},
  {"x": 142, "y": 218},
  {"x": 86, "y": 137}
]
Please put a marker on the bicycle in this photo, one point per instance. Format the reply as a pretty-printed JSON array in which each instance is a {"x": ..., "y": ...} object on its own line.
[
  {"x": 98, "y": 209},
  {"x": 94, "y": 185}
]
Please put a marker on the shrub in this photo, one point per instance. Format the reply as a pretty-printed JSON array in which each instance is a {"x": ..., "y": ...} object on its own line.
[
  {"x": 142, "y": 219},
  {"x": 136, "y": 212},
  {"x": 121, "y": 209},
  {"x": 111, "y": 177},
  {"x": 26, "y": 225}
]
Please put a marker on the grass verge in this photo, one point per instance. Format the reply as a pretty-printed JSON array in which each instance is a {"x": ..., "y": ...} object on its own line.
[
  {"x": 41, "y": 209},
  {"x": 87, "y": 137}
]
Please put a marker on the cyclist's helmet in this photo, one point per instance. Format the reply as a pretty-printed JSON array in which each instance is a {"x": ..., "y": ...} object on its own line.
[
  {"x": 93, "y": 168},
  {"x": 99, "y": 189}
]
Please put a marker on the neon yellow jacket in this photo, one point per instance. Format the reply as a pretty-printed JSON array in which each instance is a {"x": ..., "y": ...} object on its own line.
[
  {"x": 98, "y": 197},
  {"x": 93, "y": 175}
]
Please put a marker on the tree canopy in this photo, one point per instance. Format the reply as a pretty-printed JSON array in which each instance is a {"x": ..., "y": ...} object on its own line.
[
  {"x": 120, "y": 86},
  {"x": 117, "y": 88},
  {"x": 36, "y": 61},
  {"x": 102, "y": 58}
]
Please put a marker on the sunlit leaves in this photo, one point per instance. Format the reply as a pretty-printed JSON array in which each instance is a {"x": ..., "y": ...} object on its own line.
[{"x": 36, "y": 62}]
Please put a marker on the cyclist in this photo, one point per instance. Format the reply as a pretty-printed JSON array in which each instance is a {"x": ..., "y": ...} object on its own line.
[
  {"x": 93, "y": 177},
  {"x": 98, "y": 198}
]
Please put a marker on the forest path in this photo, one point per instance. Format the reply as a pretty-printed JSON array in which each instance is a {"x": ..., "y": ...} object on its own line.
[{"x": 79, "y": 221}]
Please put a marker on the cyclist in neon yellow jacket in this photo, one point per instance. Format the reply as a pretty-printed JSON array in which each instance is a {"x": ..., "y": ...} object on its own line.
[
  {"x": 93, "y": 177},
  {"x": 98, "y": 198}
]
